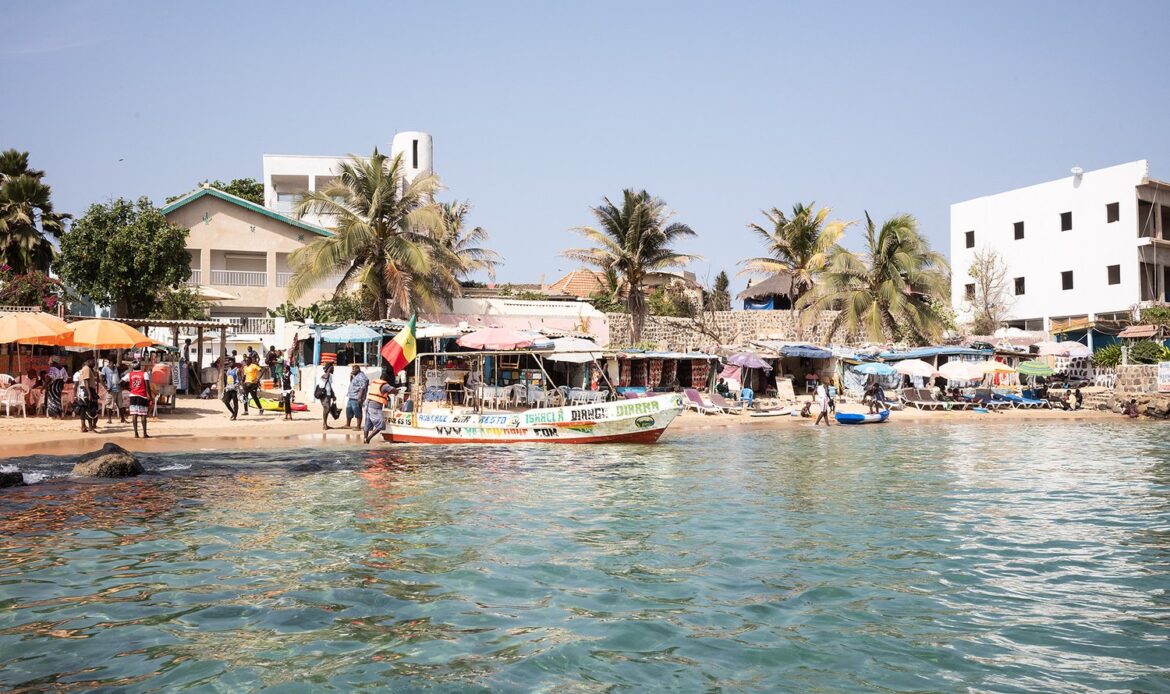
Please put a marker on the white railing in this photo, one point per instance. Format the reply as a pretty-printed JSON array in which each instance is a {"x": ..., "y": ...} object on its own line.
[
  {"x": 20, "y": 309},
  {"x": 239, "y": 278},
  {"x": 258, "y": 326},
  {"x": 196, "y": 277},
  {"x": 283, "y": 278}
]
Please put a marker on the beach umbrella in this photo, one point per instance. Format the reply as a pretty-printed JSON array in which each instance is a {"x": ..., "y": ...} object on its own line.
[
  {"x": 1035, "y": 368},
  {"x": 961, "y": 371},
  {"x": 502, "y": 339},
  {"x": 574, "y": 350},
  {"x": 100, "y": 333},
  {"x": 352, "y": 333},
  {"x": 33, "y": 329},
  {"x": 915, "y": 367},
  {"x": 1076, "y": 349},
  {"x": 995, "y": 367},
  {"x": 874, "y": 368},
  {"x": 1050, "y": 348},
  {"x": 748, "y": 360}
]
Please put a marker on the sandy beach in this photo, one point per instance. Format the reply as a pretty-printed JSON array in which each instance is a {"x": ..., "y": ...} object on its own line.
[{"x": 203, "y": 424}]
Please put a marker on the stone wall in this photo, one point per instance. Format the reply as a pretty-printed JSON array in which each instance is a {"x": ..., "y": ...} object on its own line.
[
  {"x": 721, "y": 327},
  {"x": 1135, "y": 379}
]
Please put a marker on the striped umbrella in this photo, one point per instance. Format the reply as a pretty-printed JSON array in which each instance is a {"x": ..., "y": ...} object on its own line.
[{"x": 1035, "y": 368}]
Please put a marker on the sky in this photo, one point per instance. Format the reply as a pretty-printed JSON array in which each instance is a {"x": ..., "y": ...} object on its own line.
[{"x": 540, "y": 109}]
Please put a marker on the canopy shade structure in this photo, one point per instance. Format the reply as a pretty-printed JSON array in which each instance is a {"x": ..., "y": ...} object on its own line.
[
  {"x": 437, "y": 331},
  {"x": 806, "y": 351},
  {"x": 99, "y": 333},
  {"x": 213, "y": 294},
  {"x": 34, "y": 329},
  {"x": 874, "y": 368},
  {"x": 503, "y": 339},
  {"x": 352, "y": 333},
  {"x": 778, "y": 283},
  {"x": 574, "y": 350},
  {"x": 961, "y": 371},
  {"x": 996, "y": 367},
  {"x": 1035, "y": 368},
  {"x": 748, "y": 360},
  {"x": 915, "y": 367}
]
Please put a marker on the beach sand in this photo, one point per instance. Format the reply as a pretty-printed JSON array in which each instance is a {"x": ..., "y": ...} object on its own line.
[{"x": 204, "y": 424}]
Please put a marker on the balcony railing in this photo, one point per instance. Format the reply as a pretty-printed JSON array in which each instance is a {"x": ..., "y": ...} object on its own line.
[
  {"x": 258, "y": 326},
  {"x": 239, "y": 278},
  {"x": 196, "y": 278},
  {"x": 283, "y": 278}
]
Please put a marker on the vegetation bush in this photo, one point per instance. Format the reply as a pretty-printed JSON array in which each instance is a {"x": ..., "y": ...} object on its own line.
[
  {"x": 30, "y": 289},
  {"x": 1144, "y": 352},
  {"x": 1107, "y": 357}
]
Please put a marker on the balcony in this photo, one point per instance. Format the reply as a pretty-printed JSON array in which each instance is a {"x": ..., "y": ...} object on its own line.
[
  {"x": 257, "y": 326},
  {"x": 239, "y": 278},
  {"x": 196, "y": 278},
  {"x": 283, "y": 278}
]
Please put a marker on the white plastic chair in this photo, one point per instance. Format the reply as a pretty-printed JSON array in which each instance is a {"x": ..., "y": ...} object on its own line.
[{"x": 11, "y": 396}]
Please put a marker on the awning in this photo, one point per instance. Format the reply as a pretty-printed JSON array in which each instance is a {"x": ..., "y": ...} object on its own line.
[
  {"x": 1137, "y": 332},
  {"x": 806, "y": 351},
  {"x": 931, "y": 352}
]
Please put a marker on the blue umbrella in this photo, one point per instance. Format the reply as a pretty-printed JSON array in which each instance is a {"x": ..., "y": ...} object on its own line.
[
  {"x": 874, "y": 368},
  {"x": 352, "y": 333}
]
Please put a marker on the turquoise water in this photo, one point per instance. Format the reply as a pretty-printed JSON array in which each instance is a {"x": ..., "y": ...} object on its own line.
[{"x": 1032, "y": 557}]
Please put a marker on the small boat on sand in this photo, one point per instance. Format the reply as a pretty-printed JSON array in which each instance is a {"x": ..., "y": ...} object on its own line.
[
  {"x": 625, "y": 421},
  {"x": 848, "y": 418}
]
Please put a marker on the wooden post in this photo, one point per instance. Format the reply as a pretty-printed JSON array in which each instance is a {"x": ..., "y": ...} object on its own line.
[{"x": 199, "y": 350}]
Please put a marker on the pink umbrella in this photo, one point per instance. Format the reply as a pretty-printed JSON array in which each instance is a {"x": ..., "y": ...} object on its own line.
[{"x": 502, "y": 338}]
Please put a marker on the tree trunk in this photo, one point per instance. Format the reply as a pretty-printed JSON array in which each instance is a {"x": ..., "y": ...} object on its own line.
[{"x": 636, "y": 304}]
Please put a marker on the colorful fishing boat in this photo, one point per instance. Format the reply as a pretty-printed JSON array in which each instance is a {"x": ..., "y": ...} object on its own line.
[
  {"x": 849, "y": 418},
  {"x": 640, "y": 420}
]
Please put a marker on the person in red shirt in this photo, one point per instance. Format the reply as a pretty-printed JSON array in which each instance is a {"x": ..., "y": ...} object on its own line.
[{"x": 139, "y": 387}]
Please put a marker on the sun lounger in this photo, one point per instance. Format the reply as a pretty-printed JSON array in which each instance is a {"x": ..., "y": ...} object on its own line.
[
  {"x": 695, "y": 402},
  {"x": 1020, "y": 401},
  {"x": 914, "y": 398},
  {"x": 721, "y": 402},
  {"x": 989, "y": 399}
]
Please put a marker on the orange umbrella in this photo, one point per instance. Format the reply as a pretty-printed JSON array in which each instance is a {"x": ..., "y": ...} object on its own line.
[
  {"x": 34, "y": 329},
  {"x": 99, "y": 333}
]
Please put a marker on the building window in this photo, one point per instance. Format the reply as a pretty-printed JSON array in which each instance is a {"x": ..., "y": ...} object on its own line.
[
  {"x": 1019, "y": 286},
  {"x": 1066, "y": 221},
  {"x": 1019, "y": 228},
  {"x": 415, "y": 160},
  {"x": 970, "y": 239},
  {"x": 1066, "y": 281},
  {"x": 970, "y": 291},
  {"x": 1114, "y": 274},
  {"x": 1112, "y": 212}
]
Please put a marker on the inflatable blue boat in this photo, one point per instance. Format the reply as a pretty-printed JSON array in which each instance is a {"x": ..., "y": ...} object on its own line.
[{"x": 843, "y": 418}]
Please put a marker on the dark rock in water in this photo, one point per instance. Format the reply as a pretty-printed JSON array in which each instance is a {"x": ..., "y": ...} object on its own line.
[
  {"x": 11, "y": 479},
  {"x": 306, "y": 467},
  {"x": 111, "y": 461}
]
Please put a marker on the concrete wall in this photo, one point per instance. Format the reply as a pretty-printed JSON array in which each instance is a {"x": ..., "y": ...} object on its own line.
[
  {"x": 720, "y": 327},
  {"x": 1045, "y": 251},
  {"x": 1136, "y": 378}
]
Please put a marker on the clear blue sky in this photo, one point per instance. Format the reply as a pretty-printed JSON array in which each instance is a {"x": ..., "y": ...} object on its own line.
[{"x": 540, "y": 109}]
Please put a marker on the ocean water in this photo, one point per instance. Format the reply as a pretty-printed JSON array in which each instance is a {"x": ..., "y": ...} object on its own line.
[{"x": 1022, "y": 558}]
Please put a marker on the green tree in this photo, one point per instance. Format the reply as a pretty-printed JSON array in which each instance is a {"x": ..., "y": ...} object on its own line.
[
  {"x": 181, "y": 303},
  {"x": 387, "y": 237},
  {"x": 124, "y": 254},
  {"x": 466, "y": 244},
  {"x": 670, "y": 300},
  {"x": 247, "y": 188},
  {"x": 26, "y": 215},
  {"x": 802, "y": 244},
  {"x": 719, "y": 298},
  {"x": 633, "y": 240},
  {"x": 33, "y": 288},
  {"x": 888, "y": 293}
]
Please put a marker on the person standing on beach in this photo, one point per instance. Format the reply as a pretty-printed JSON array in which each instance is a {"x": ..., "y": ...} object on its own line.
[
  {"x": 87, "y": 397},
  {"x": 286, "y": 391},
  {"x": 252, "y": 383},
  {"x": 54, "y": 388},
  {"x": 231, "y": 388},
  {"x": 359, "y": 386},
  {"x": 324, "y": 393},
  {"x": 112, "y": 379},
  {"x": 380, "y": 393},
  {"x": 138, "y": 382},
  {"x": 822, "y": 398}
]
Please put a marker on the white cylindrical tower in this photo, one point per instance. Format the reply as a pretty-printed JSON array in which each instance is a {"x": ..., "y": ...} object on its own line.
[{"x": 415, "y": 148}]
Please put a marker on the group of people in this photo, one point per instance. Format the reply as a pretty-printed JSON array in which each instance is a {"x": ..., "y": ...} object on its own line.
[
  {"x": 95, "y": 390},
  {"x": 242, "y": 381},
  {"x": 365, "y": 400}
]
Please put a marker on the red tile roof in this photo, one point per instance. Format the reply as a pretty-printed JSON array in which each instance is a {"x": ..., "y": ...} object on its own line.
[{"x": 582, "y": 282}]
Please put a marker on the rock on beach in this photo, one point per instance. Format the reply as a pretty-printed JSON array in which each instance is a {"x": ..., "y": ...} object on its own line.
[
  {"x": 111, "y": 461},
  {"x": 14, "y": 478}
]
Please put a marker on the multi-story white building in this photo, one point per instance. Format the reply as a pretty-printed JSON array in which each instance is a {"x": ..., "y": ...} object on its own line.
[
  {"x": 1092, "y": 246},
  {"x": 288, "y": 176}
]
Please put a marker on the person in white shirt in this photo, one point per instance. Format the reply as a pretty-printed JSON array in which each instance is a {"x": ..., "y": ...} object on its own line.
[{"x": 822, "y": 398}]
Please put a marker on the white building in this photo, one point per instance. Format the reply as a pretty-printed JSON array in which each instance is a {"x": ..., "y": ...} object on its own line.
[
  {"x": 288, "y": 176},
  {"x": 1092, "y": 246}
]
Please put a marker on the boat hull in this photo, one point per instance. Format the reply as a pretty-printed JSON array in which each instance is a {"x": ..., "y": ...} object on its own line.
[
  {"x": 631, "y": 421},
  {"x": 845, "y": 418}
]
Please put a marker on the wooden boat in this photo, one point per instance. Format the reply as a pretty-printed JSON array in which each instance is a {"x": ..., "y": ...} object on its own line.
[
  {"x": 625, "y": 421},
  {"x": 781, "y": 412},
  {"x": 847, "y": 418}
]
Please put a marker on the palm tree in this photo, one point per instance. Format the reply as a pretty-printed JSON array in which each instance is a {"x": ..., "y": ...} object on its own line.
[
  {"x": 888, "y": 293},
  {"x": 633, "y": 240},
  {"x": 802, "y": 244},
  {"x": 26, "y": 215},
  {"x": 386, "y": 238},
  {"x": 466, "y": 244}
]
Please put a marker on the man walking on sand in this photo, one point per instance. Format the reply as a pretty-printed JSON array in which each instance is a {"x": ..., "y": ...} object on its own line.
[
  {"x": 359, "y": 386},
  {"x": 822, "y": 398}
]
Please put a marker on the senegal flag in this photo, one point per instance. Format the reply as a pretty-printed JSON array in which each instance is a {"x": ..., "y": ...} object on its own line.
[{"x": 401, "y": 350}]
